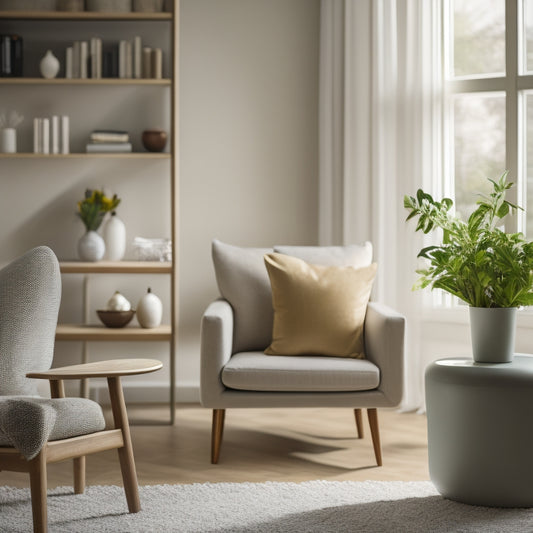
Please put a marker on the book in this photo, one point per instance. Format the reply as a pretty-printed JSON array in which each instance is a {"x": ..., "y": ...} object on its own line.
[
  {"x": 65, "y": 134},
  {"x": 45, "y": 135},
  {"x": 109, "y": 136},
  {"x": 55, "y": 134},
  {"x": 147, "y": 62},
  {"x": 5, "y": 58},
  {"x": 69, "y": 53},
  {"x": 37, "y": 135},
  {"x": 16, "y": 56},
  {"x": 108, "y": 147},
  {"x": 157, "y": 63},
  {"x": 76, "y": 59},
  {"x": 137, "y": 57},
  {"x": 84, "y": 59}
]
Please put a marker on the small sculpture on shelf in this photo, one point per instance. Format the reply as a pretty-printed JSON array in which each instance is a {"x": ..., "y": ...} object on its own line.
[
  {"x": 149, "y": 310},
  {"x": 92, "y": 210},
  {"x": 49, "y": 65},
  {"x": 118, "y": 312}
]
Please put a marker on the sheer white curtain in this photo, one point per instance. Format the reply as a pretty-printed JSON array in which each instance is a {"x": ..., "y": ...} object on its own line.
[{"x": 380, "y": 124}]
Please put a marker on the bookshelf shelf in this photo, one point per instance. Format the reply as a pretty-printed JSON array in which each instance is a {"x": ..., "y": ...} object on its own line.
[
  {"x": 83, "y": 15},
  {"x": 94, "y": 332},
  {"x": 99, "y": 155},
  {"x": 116, "y": 267},
  {"x": 87, "y": 81}
]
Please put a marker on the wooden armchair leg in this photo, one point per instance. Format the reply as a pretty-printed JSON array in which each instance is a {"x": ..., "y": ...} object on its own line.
[
  {"x": 125, "y": 454},
  {"x": 38, "y": 486},
  {"x": 374, "y": 431},
  {"x": 359, "y": 422},
  {"x": 216, "y": 433},
  {"x": 79, "y": 475}
]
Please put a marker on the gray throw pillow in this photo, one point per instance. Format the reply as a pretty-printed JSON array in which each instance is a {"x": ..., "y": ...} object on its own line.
[{"x": 356, "y": 255}]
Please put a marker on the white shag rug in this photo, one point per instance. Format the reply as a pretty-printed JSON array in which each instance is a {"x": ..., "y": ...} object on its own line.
[{"x": 310, "y": 507}]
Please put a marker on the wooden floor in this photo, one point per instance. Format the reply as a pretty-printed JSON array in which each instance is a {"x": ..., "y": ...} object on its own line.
[{"x": 259, "y": 445}]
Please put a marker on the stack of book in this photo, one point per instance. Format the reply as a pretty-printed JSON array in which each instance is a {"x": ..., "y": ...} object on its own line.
[
  {"x": 51, "y": 135},
  {"x": 109, "y": 141},
  {"x": 10, "y": 56}
]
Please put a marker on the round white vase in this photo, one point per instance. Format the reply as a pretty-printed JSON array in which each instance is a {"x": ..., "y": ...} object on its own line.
[
  {"x": 91, "y": 247},
  {"x": 114, "y": 238},
  {"x": 49, "y": 65},
  {"x": 149, "y": 310}
]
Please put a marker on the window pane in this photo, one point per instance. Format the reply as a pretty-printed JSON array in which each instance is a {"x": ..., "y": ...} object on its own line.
[
  {"x": 479, "y": 128},
  {"x": 479, "y": 37},
  {"x": 529, "y": 166},
  {"x": 528, "y": 33}
]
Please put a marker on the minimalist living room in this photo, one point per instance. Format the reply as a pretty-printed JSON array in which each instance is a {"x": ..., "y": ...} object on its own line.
[{"x": 276, "y": 254}]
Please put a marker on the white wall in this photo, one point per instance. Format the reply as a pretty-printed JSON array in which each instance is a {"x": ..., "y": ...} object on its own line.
[
  {"x": 248, "y": 97},
  {"x": 249, "y": 139}
]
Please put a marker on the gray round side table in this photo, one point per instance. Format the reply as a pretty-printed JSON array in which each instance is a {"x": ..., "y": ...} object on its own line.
[{"x": 480, "y": 430}]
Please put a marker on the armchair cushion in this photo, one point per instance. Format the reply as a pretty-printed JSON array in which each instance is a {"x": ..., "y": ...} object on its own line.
[
  {"x": 27, "y": 423},
  {"x": 318, "y": 309},
  {"x": 255, "y": 371},
  {"x": 243, "y": 281}
]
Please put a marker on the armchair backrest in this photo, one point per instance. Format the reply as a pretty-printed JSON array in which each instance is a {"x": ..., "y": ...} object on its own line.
[
  {"x": 30, "y": 293},
  {"x": 243, "y": 281}
]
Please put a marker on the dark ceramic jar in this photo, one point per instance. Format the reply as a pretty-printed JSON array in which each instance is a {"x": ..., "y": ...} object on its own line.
[{"x": 154, "y": 140}]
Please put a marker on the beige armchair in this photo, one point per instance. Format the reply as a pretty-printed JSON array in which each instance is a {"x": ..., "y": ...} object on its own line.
[{"x": 237, "y": 328}]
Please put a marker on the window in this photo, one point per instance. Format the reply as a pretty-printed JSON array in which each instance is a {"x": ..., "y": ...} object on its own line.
[{"x": 489, "y": 81}]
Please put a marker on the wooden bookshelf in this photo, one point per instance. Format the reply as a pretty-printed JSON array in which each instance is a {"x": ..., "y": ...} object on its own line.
[{"x": 116, "y": 267}]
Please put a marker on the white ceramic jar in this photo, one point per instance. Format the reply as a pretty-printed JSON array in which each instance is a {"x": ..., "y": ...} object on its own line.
[
  {"x": 149, "y": 310},
  {"x": 49, "y": 65},
  {"x": 114, "y": 238}
]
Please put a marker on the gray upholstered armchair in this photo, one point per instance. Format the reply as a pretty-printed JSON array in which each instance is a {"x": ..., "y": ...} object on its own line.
[
  {"x": 237, "y": 328},
  {"x": 35, "y": 431}
]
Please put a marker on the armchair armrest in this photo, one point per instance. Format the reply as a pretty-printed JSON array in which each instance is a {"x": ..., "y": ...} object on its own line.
[
  {"x": 384, "y": 346},
  {"x": 215, "y": 350},
  {"x": 100, "y": 369}
]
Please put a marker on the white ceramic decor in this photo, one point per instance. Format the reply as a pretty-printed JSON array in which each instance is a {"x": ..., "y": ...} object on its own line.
[
  {"x": 49, "y": 65},
  {"x": 115, "y": 238},
  {"x": 149, "y": 310},
  {"x": 8, "y": 141},
  {"x": 118, "y": 302},
  {"x": 91, "y": 247}
]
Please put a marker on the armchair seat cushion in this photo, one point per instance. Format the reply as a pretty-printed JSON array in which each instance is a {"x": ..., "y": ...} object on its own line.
[
  {"x": 255, "y": 371},
  {"x": 27, "y": 423}
]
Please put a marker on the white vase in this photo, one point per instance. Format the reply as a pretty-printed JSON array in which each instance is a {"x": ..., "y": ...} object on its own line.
[
  {"x": 49, "y": 65},
  {"x": 8, "y": 141},
  {"x": 91, "y": 247},
  {"x": 149, "y": 310},
  {"x": 114, "y": 238}
]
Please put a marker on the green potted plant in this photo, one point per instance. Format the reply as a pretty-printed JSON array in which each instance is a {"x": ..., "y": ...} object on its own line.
[{"x": 481, "y": 264}]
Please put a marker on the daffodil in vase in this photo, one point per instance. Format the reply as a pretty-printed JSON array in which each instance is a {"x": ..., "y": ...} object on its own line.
[{"x": 92, "y": 210}]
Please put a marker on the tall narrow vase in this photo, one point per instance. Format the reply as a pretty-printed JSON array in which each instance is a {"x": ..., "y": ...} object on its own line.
[
  {"x": 91, "y": 247},
  {"x": 493, "y": 334}
]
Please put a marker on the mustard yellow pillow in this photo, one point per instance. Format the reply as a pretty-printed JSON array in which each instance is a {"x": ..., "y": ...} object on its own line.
[{"x": 318, "y": 310}]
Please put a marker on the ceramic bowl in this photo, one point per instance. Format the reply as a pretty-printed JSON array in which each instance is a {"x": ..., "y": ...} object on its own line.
[
  {"x": 115, "y": 319},
  {"x": 154, "y": 140}
]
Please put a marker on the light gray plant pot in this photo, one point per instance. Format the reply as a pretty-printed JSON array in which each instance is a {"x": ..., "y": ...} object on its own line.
[{"x": 493, "y": 334}]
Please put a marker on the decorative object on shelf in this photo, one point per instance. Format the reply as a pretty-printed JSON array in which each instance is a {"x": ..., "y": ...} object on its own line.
[
  {"x": 92, "y": 210},
  {"x": 154, "y": 140},
  {"x": 118, "y": 302},
  {"x": 114, "y": 238},
  {"x": 8, "y": 132},
  {"x": 70, "y": 5},
  {"x": 105, "y": 141},
  {"x": 148, "y": 6},
  {"x": 149, "y": 310},
  {"x": 115, "y": 319},
  {"x": 479, "y": 263},
  {"x": 152, "y": 249},
  {"x": 116, "y": 6},
  {"x": 49, "y": 65},
  {"x": 91, "y": 246}
]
